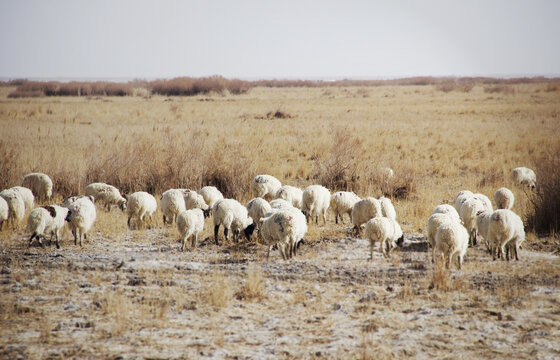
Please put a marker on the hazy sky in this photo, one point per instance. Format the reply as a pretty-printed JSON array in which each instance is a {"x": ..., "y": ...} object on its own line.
[{"x": 266, "y": 39}]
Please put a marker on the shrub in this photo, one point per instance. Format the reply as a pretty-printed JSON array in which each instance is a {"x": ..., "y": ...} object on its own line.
[{"x": 544, "y": 214}]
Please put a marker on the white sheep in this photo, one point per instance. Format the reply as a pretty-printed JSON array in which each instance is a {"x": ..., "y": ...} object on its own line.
[
  {"x": 280, "y": 204},
  {"x": 71, "y": 199},
  {"x": 57, "y": 222},
  {"x": 461, "y": 197},
  {"x": 469, "y": 210},
  {"x": 363, "y": 211},
  {"x": 172, "y": 204},
  {"x": 387, "y": 208},
  {"x": 506, "y": 229},
  {"x": 109, "y": 194},
  {"x": 485, "y": 202},
  {"x": 257, "y": 208},
  {"x": 285, "y": 229},
  {"x": 503, "y": 197},
  {"x": 316, "y": 200},
  {"x": 263, "y": 185},
  {"x": 482, "y": 226},
  {"x": 524, "y": 176},
  {"x": 342, "y": 203},
  {"x": 16, "y": 206},
  {"x": 446, "y": 209},
  {"x": 386, "y": 231},
  {"x": 37, "y": 222},
  {"x": 4, "y": 211},
  {"x": 41, "y": 185},
  {"x": 194, "y": 200},
  {"x": 46, "y": 220},
  {"x": 81, "y": 216},
  {"x": 140, "y": 205},
  {"x": 27, "y": 195},
  {"x": 291, "y": 194},
  {"x": 232, "y": 215},
  {"x": 434, "y": 222},
  {"x": 211, "y": 194},
  {"x": 452, "y": 240},
  {"x": 190, "y": 223}
]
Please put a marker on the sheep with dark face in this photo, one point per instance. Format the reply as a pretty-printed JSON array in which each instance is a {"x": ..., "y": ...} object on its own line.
[
  {"x": 342, "y": 203},
  {"x": 46, "y": 220},
  {"x": 386, "y": 231},
  {"x": 232, "y": 216},
  {"x": 81, "y": 216}
]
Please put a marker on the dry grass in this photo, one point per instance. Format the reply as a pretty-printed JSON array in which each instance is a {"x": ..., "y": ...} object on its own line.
[{"x": 133, "y": 292}]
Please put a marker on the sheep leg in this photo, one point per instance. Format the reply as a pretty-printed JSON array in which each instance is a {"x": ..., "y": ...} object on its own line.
[
  {"x": 325, "y": 218},
  {"x": 460, "y": 261},
  {"x": 164, "y": 220},
  {"x": 56, "y": 238},
  {"x": 268, "y": 252},
  {"x": 449, "y": 260},
  {"x": 370, "y": 250},
  {"x": 226, "y": 230},
  {"x": 516, "y": 249},
  {"x": 75, "y": 236},
  {"x": 184, "y": 242},
  {"x": 194, "y": 240},
  {"x": 336, "y": 217},
  {"x": 81, "y": 233},
  {"x": 128, "y": 222},
  {"x": 216, "y": 228},
  {"x": 31, "y": 239},
  {"x": 317, "y": 219}
]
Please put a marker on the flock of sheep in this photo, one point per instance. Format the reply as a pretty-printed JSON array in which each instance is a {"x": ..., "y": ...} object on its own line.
[{"x": 283, "y": 222}]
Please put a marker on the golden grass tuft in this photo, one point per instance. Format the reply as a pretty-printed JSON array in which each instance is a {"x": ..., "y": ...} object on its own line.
[
  {"x": 217, "y": 292},
  {"x": 254, "y": 287}
]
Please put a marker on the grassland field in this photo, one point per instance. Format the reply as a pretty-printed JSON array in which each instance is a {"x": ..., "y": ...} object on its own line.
[{"x": 133, "y": 294}]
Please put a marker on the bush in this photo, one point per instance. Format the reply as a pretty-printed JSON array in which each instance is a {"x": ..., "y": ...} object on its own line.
[{"x": 544, "y": 214}]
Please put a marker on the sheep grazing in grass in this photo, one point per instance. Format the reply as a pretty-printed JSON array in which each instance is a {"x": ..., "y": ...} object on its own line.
[
  {"x": 291, "y": 194},
  {"x": 141, "y": 205},
  {"x": 386, "y": 231},
  {"x": 462, "y": 196},
  {"x": 482, "y": 226},
  {"x": 284, "y": 229},
  {"x": 280, "y": 204},
  {"x": 387, "y": 208},
  {"x": 4, "y": 211},
  {"x": 316, "y": 200},
  {"x": 81, "y": 216},
  {"x": 434, "y": 222},
  {"x": 172, "y": 204},
  {"x": 503, "y": 197},
  {"x": 469, "y": 210},
  {"x": 452, "y": 240},
  {"x": 486, "y": 203},
  {"x": 108, "y": 194},
  {"x": 27, "y": 196},
  {"x": 506, "y": 229},
  {"x": 72, "y": 199},
  {"x": 211, "y": 194},
  {"x": 194, "y": 200},
  {"x": 387, "y": 172},
  {"x": 232, "y": 215},
  {"x": 524, "y": 176},
  {"x": 190, "y": 223},
  {"x": 38, "y": 221},
  {"x": 342, "y": 203},
  {"x": 40, "y": 184},
  {"x": 16, "y": 206},
  {"x": 257, "y": 208},
  {"x": 363, "y": 211},
  {"x": 46, "y": 220},
  {"x": 447, "y": 209},
  {"x": 263, "y": 185}
]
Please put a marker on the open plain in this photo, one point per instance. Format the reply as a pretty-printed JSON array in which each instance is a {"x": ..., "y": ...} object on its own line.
[{"x": 134, "y": 294}]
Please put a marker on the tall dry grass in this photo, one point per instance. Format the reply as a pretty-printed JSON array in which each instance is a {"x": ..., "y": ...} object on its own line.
[{"x": 437, "y": 143}]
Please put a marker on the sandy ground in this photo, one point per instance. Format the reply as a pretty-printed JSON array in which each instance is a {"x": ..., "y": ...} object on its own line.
[{"x": 138, "y": 296}]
